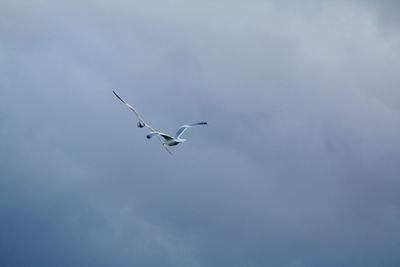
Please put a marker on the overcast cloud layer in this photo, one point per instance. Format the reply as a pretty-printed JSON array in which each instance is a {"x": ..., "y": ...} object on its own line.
[{"x": 299, "y": 165}]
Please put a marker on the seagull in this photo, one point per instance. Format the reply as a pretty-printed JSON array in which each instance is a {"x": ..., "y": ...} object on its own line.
[{"x": 165, "y": 139}]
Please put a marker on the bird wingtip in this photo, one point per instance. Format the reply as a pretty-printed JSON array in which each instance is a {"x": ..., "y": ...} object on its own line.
[{"x": 118, "y": 96}]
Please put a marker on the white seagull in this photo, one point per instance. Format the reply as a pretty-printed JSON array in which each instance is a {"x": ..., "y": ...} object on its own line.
[{"x": 165, "y": 139}]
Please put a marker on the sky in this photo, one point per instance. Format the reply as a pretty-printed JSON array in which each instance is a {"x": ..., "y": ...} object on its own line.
[{"x": 298, "y": 167}]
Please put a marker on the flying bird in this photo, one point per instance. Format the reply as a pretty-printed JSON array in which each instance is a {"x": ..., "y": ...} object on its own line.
[{"x": 165, "y": 139}]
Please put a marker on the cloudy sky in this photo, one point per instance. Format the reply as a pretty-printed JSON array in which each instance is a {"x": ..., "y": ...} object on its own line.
[{"x": 298, "y": 167}]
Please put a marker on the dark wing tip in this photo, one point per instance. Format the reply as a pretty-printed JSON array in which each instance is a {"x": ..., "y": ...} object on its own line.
[{"x": 118, "y": 96}]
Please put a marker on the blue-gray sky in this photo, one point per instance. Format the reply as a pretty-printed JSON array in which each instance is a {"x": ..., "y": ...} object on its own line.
[{"x": 299, "y": 165}]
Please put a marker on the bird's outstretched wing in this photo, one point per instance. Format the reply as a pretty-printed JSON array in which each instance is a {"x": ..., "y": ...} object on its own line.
[
  {"x": 142, "y": 121},
  {"x": 134, "y": 111},
  {"x": 183, "y": 128}
]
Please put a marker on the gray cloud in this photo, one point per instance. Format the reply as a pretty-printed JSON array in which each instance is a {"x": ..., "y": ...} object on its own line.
[{"x": 298, "y": 166}]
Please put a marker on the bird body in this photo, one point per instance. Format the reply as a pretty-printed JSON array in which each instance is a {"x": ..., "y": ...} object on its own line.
[
  {"x": 173, "y": 141},
  {"x": 165, "y": 139},
  {"x": 169, "y": 140}
]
